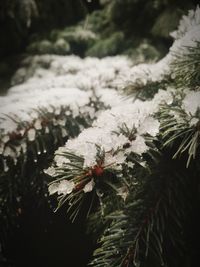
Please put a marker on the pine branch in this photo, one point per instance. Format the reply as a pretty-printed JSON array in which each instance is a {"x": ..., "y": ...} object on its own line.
[
  {"x": 75, "y": 172},
  {"x": 186, "y": 66},
  {"x": 27, "y": 151},
  {"x": 146, "y": 91},
  {"x": 180, "y": 131},
  {"x": 149, "y": 226},
  {"x": 80, "y": 180}
]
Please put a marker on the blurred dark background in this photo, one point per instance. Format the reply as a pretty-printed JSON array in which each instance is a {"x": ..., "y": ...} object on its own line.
[
  {"x": 20, "y": 19},
  {"x": 47, "y": 239},
  {"x": 130, "y": 27}
]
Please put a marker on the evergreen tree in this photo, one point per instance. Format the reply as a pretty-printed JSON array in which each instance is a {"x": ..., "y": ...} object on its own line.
[
  {"x": 141, "y": 161},
  {"x": 130, "y": 164}
]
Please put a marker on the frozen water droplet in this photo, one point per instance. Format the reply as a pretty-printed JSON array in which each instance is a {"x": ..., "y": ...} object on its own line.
[
  {"x": 99, "y": 193},
  {"x": 31, "y": 134}
]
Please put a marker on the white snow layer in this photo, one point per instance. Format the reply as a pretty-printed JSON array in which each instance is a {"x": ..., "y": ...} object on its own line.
[
  {"x": 136, "y": 118},
  {"x": 69, "y": 81}
]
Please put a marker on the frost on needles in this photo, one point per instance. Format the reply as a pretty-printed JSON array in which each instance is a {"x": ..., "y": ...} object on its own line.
[
  {"x": 119, "y": 159},
  {"x": 121, "y": 130},
  {"x": 132, "y": 157},
  {"x": 40, "y": 114}
]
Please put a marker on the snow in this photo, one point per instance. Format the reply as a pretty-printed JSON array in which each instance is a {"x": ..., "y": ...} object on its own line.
[
  {"x": 60, "y": 161},
  {"x": 150, "y": 126},
  {"x": 62, "y": 86},
  {"x": 65, "y": 89},
  {"x": 89, "y": 186},
  {"x": 31, "y": 134},
  {"x": 50, "y": 171},
  {"x": 187, "y": 23},
  {"x": 191, "y": 103},
  {"x": 67, "y": 70},
  {"x": 138, "y": 146},
  {"x": 62, "y": 188},
  {"x": 105, "y": 133}
]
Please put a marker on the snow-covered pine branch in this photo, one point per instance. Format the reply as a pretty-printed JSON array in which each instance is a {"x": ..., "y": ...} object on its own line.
[
  {"x": 124, "y": 138},
  {"x": 25, "y": 119},
  {"x": 70, "y": 88},
  {"x": 121, "y": 130},
  {"x": 82, "y": 73},
  {"x": 40, "y": 115},
  {"x": 186, "y": 38},
  {"x": 117, "y": 140},
  {"x": 180, "y": 122}
]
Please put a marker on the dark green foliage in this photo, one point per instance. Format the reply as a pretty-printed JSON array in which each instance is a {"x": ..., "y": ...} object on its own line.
[
  {"x": 166, "y": 22},
  {"x": 20, "y": 18},
  {"x": 70, "y": 40},
  {"x": 137, "y": 20},
  {"x": 185, "y": 138},
  {"x": 22, "y": 179},
  {"x": 21, "y": 11},
  {"x": 150, "y": 225},
  {"x": 151, "y": 88},
  {"x": 134, "y": 18},
  {"x": 129, "y": 16},
  {"x": 147, "y": 91},
  {"x": 98, "y": 21},
  {"x": 144, "y": 52},
  {"x": 60, "y": 47},
  {"x": 139, "y": 17},
  {"x": 148, "y": 229},
  {"x": 103, "y": 178},
  {"x": 107, "y": 47},
  {"x": 78, "y": 37},
  {"x": 186, "y": 66}
]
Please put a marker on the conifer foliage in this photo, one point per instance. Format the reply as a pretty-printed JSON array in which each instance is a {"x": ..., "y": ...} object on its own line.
[
  {"x": 134, "y": 159},
  {"x": 130, "y": 153}
]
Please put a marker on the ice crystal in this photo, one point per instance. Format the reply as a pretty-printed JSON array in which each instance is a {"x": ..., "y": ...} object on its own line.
[
  {"x": 53, "y": 188},
  {"x": 138, "y": 146},
  {"x": 62, "y": 188},
  {"x": 37, "y": 124},
  {"x": 60, "y": 160},
  {"x": 150, "y": 126},
  {"x": 65, "y": 187},
  {"x": 89, "y": 186},
  {"x": 191, "y": 102},
  {"x": 123, "y": 192},
  {"x": 31, "y": 134},
  {"x": 50, "y": 171},
  {"x": 193, "y": 121}
]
